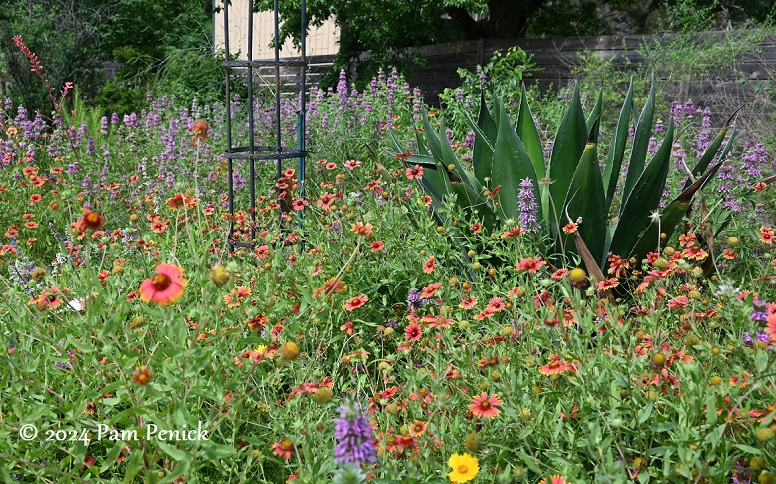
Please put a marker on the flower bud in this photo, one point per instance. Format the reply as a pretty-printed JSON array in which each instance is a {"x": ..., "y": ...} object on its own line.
[
  {"x": 220, "y": 275},
  {"x": 323, "y": 395},
  {"x": 289, "y": 350},
  {"x": 38, "y": 274}
]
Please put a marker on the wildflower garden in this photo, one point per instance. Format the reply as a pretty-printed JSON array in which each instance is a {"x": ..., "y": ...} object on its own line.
[{"x": 576, "y": 293}]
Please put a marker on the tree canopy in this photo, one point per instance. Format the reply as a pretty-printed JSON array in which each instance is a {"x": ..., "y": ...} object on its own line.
[{"x": 386, "y": 29}]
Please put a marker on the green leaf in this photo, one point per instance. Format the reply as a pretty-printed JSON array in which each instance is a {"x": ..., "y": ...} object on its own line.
[
  {"x": 749, "y": 449},
  {"x": 172, "y": 451},
  {"x": 586, "y": 200},
  {"x": 112, "y": 456},
  {"x": 511, "y": 163},
  {"x": 569, "y": 144},
  {"x": 645, "y": 412},
  {"x": 594, "y": 116},
  {"x": 617, "y": 148},
  {"x": 645, "y": 198},
  {"x": 486, "y": 132},
  {"x": 434, "y": 143},
  {"x": 640, "y": 147},
  {"x": 529, "y": 135},
  {"x": 449, "y": 158}
]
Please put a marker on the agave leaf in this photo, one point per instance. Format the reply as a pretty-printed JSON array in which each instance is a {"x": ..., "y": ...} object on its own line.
[
  {"x": 569, "y": 144},
  {"x": 435, "y": 184},
  {"x": 529, "y": 135},
  {"x": 644, "y": 199},
  {"x": 511, "y": 164},
  {"x": 595, "y": 114},
  {"x": 426, "y": 161},
  {"x": 641, "y": 137},
  {"x": 586, "y": 199},
  {"x": 617, "y": 148},
  {"x": 449, "y": 158},
  {"x": 485, "y": 131},
  {"x": 670, "y": 217},
  {"x": 422, "y": 148},
  {"x": 396, "y": 143},
  {"x": 434, "y": 143}
]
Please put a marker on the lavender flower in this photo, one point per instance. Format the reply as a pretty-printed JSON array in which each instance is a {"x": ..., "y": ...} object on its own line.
[
  {"x": 414, "y": 302},
  {"x": 355, "y": 444},
  {"x": 759, "y": 313}
]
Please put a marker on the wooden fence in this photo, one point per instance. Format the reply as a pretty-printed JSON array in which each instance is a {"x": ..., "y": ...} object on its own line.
[
  {"x": 556, "y": 59},
  {"x": 735, "y": 80}
]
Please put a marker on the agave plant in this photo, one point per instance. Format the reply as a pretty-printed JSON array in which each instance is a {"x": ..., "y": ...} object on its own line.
[{"x": 570, "y": 187}]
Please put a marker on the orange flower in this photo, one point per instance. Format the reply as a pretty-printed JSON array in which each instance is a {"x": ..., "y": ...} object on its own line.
[
  {"x": 418, "y": 428},
  {"x": 141, "y": 375},
  {"x": 530, "y": 264},
  {"x": 468, "y": 302},
  {"x": 770, "y": 327},
  {"x": 555, "y": 480},
  {"x": 556, "y": 365},
  {"x": 332, "y": 286},
  {"x": 766, "y": 235},
  {"x": 49, "y": 298},
  {"x": 165, "y": 287},
  {"x": 416, "y": 172},
  {"x": 430, "y": 290},
  {"x": 180, "y": 200},
  {"x": 570, "y": 228},
  {"x": 90, "y": 220},
  {"x": 159, "y": 226},
  {"x": 496, "y": 304},
  {"x": 199, "y": 129},
  {"x": 484, "y": 405},
  {"x": 285, "y": 448},
  {"x": 608, "y": 284},
  {"x": 430, "y": 265},
  {"x": 356, "y": 302},
  {"x": 359, "y": 228},
  {"x": 413, "y": 332}
]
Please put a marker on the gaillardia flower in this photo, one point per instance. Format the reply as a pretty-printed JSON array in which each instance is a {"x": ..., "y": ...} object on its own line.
[
  {"x": 165, "y": 287},
  {"x": 90, "y": 220},
  {"x": 199, "y": 129},
  {"x": 484, "y": 405},
  {"x": 141, "y": 375}
]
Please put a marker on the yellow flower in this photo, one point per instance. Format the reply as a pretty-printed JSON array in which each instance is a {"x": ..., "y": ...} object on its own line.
[{"x": 465, "y": 467}]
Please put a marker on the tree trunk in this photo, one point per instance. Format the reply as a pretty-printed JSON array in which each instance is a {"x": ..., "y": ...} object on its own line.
[{"x": 508, "y": 18}]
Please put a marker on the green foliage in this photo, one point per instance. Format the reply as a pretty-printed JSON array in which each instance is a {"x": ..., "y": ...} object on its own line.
[
  {"x": 384, "y": 30},
  {"x": 193, "y": 73},
  {"x": 64, "y": 35},
  {"x": 500, "y": 78},
  {"x": 575, "y": 190}
]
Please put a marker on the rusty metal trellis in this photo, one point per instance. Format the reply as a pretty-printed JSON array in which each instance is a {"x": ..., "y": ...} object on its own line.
[{"x": 253, "y": 152}]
